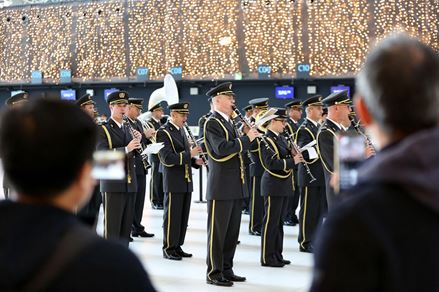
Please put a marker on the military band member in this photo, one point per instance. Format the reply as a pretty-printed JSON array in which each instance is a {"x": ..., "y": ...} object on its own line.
[
  {"x": 119, "y": 194},
  {"x": 313, "y": 196},
  {"x": 225, "y": 185},
  {"x": 338, "y": 105},
  {"x": 90, "y": 212},
  {"x": 134, "y": 110},
  {"x": 156, "y": 182},
  {"x": 202, "y": 120},
  {"x": 276, "y": 188},
  {"x": 248, "y": 110},
  {"x": 294, "y": 110},
  {"x": 176, "y": 159},
  {"x": 259, "y": 105},
  {"x": 14, "y": 101}
]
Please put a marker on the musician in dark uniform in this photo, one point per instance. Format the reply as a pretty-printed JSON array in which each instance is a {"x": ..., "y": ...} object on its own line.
[
  {"x": 225, "y": 185},
  {"x": 14, "y": 101},
  {"x": 294, "y": 110},
  {"x": 90, "y": 212},
  {"x": 119, "y": 194},
  {"x": 156, "y": 182},
  {"x": 202, "y": 120},
  {"x": 276, "y": 188},
  {"x": 338, "y": 104},
  {"x": 248, "y": 111},
  {"x": 176, "y": 159},
  {"x": 134, "y": 110},
  {"x": 259, "y": 106},
  {"x": 313, "y": 196}
]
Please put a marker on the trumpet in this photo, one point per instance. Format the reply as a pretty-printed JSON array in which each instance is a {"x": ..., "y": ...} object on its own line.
[
  {"x": 297, "y": 150},
  {"x": 147, "y": 127},
  {"x": 202, "y": 156},
  {"x": 146, "y": 164}
]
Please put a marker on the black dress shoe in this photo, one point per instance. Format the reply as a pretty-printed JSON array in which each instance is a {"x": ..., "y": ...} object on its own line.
[
  {"x": 289, "y": 223},
  {"x": 245, "y": 211},
  {"x": 183, "y": 254},
  {"x": 308, "y": 249},
  {"x": 220, "y": 282},
  {"x": 256, "y": 232},
  {"x": 130, "y": 239},
  {"x": 154, "y": 206},
  {"x": 273, "y": 264},
  {"x": 142, "y": 234},
  {"x": 285, "y": 262},
  {"x": 159, "y": 206},
  {"x": 235, "y": 278},
  {"x": 295, "y": 219},
  {"x": 171, "y": 256}
]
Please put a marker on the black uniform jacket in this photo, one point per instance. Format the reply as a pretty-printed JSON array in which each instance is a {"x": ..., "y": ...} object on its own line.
[
  {"x": 137, "y": 125},
  {"x": 155, "y": 125},
  {"x": 256, "y": 168},
  {"x": 277, "y": 162},
  {"x": 308, "y": 132},
  {"x": 175, "y": 159},
  {"x": 111, "y": 137},
  {"x": 325, "y": 144},
  {"x": 226, "y": 176},
  {"x": 291, "y": 128}
]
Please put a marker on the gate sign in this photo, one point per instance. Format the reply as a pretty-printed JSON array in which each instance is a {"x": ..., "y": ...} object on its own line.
[
  {"x": 264, "y": 71},
  {"x": 302, "y": 70},
  {"x": 142, "y": 74},
  {"x": 36, "y": 77},
  {"x": 65, "y": 76},
  {"x": 176, "y": 72}
]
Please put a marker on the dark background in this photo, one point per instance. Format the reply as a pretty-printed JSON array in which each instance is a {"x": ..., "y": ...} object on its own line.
[{"x": 244, "y": 89}]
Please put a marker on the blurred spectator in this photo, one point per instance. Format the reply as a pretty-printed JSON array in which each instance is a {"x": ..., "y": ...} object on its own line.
[
  {"x": 384, "y": 236},
  {"x": 46, "y": 148}
]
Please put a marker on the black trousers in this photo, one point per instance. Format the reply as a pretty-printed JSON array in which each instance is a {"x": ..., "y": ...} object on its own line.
[
  {"x": 246, "y": 201},
  {"x": 119, "y": 209},
  {"x": 272, "y": 237},
  {"x": 223, "y": 222},
  {"x": 293, "y": 201},
  {"x": 90, "y": 212},
  {"x": 313, "y": 206},
  {"x": 256, "y": 205},
  {"x": 156, "y": 184},
  {"x": 139, "y": 202},
  {"x": 175, "y": 219}
]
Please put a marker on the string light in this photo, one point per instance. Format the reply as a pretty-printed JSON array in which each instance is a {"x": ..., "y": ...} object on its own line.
[{"x": 109, "y": 40}]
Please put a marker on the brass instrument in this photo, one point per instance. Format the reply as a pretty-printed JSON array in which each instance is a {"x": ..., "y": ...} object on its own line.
[
  {"x": 202, "y": 156},
  {"x": 297, "y": 150},
  {"x": 146, "y": 164},
  {"x": 247, "y": 123},
  {"x": 147, "y": 127}
]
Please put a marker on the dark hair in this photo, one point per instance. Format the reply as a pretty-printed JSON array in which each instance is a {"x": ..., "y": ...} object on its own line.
[
  {"x": 44, "y": 144},
  {"x": 400, "y": 84}
]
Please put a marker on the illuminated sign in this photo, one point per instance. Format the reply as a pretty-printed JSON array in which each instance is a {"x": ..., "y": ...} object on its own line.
[
  {"x": 284, "y": 92},
  {"x": 302, "y": 70}
]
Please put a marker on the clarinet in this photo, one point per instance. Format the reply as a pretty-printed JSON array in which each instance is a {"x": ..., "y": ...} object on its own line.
[
  {"x": 146, "y": 164},
  {"x": 202, "y": 156},
  {"x": 297, "y": 150},
  {"x": 360, "y": 132}
]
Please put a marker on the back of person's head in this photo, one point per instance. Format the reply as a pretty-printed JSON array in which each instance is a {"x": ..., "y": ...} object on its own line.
[
  {"x": 400, "y": 84},
  {"x": 44, "y": 145}
]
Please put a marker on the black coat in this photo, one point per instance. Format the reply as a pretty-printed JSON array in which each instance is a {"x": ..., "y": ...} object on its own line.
[
  {"x": 102, "y": 265},
  {"x": 226, "y": 177},
  {"x": 175, "y": 159},
  {"x": 277, "y": 162},
  {"x": 325, "y": 144},
  {"x": 380, "y": 239},
  {"x": 307, "y": 132},
  {"x": 117, "y": 139},
  {"x": 291, "y": 128}
]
